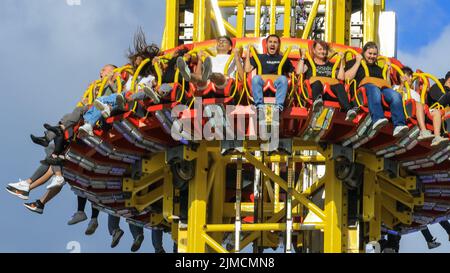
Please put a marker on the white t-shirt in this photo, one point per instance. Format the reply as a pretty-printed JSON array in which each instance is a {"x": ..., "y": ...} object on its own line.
[
  {"x": 219, "y": 62},
  {"x": 140, "y": 82},
  {"x": 414, "y": 95}
]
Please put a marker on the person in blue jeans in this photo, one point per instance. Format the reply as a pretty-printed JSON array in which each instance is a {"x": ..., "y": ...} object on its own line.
[
  {"x": 270, "y": 62},
  {"x": 105, "y": 104},
  {"x": 375, "y": 86}
]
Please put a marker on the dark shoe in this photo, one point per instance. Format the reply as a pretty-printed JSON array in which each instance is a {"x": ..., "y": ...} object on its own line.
[
  {"x": 137, "y": 243},
  {"x": 55, "y": 129},
  {"x": 118, "y": 233},
  {"x": 39, "y": 140},
  {"x": 36, "y": 206},
  {"x": 93, "y": 224}
]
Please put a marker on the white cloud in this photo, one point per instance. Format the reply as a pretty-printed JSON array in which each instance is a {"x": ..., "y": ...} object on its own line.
[{"x": 433, "y": 58}]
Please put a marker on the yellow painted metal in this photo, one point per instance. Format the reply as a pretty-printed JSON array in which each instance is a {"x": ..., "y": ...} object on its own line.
[
  {"x": 172, "y": 22},
  {"x": 273, "y": 20},
  {"x": 255, "y": 234},
  {"x": 136, "y": 75},
  {"x": 168, "y": 208},
  {"x": 217, "y": 195},
  {"x": 330, "y": 14},
  {"x": 371, "y": 14},
  {"x": 257, "y": 17},
  {"x": 370, "y": 187},
  {"x": 287, "y": 19},
  {"x": 153, "y": 163},
  {"x": 404, "y": 197},
  {"x": 370, "y": 161},
  {"x": 306, "y": 202},
  {"x": 276, "y": 191},
  {"x": 333, "y": 211},
  {"x": 199, "y": 20},
  {"x": 240, "y": 19},
  {"x": 311, "y": 18},
  {"x": 197, "y": 203},
  {"x": 390, "y": 204},
  {"x": 262, "y": 227},
  {"x": 214, "y": 244},
  {"x": 375, "y": 222},
  {"x": 283, "y": 61},
  {"x": 229, "y": 27},
  {"x": 142, "y": 202},
  {"x": 405, "y": 183},
  {"x": 135, "y": 186}
]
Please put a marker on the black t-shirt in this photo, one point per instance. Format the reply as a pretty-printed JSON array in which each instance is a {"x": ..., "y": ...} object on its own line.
[
  {"x": 168, "y": 75},
  {"x": 435, "y": 93},
  {"x": 270, "y": 64},
  {"x": 374, "y": 71},
  {"x": 325, "y": 70}
]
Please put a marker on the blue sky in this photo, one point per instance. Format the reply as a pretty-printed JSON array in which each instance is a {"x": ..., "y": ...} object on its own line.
[{"x": 50, "y": 51}]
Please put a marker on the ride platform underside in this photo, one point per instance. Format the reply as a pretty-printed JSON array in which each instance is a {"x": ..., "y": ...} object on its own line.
[{"x": 329, "y": 185}]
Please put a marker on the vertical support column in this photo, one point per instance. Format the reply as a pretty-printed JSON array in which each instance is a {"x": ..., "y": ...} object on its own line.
[
  {"x": 273, "y": 17},
  {"x": 237, "y": 222},
  {"x": 372, "y": 205},
  {"x": 199, "y": 20},
  {"x": 257, "y": 17},
  {"x": 311, "y": 18},
  {"x": 287, "y": 18},
  {"x": 330, "y": 10},
  {"x": 170, "y": 39},
  {"x": 290, "y": 182},
  {"x": 197, "y": 203},
  {"x": 218, "y": 196},
  {"x": 240, "y": 19},
  {"x": 371, "y": 14},
  {"x": 333, "y": 210}
]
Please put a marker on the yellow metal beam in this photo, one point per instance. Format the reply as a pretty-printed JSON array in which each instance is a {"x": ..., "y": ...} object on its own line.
[
  {"x": 199, "y": 20},
  {"x": 171, "y": 30},
  {"x": 214, "y": 244},
  {"x": 311, "y": 18},
  {"x": 333, "y": 210},
  {"x": 228, "y": 26},
  {"x": 262, "y": 227},
  {"x": 257, "y": 17},
  {"x": 273, "y": 13},
  {"x": 303, "y": 200},
  {"x": 390, "y": 204},
  {"x": 287, "y": 19},
  {"x": 197, "y": 203},
  {"x": 217, "y": 196},
  {"x": 142, "y": 202},
  {"x": 168, "y": 208},
  {"x": 240, "y": 19},
  {"x": 404, "y": 197},
  {"x": 135, "y": 186}
]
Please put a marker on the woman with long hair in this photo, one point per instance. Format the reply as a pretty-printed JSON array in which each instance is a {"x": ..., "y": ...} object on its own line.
[
  {"x": 323, "y": 73},
  {"x": 374, "y": 83}
]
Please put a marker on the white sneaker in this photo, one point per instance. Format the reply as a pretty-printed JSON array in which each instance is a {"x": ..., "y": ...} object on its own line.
[
  {"x": 20, "y": 189},
  {"x": 438, "y": 140},
  {"x": 184, "y": 69},
  {"x": 379, "y": 124},
  {"x": 78, "y": 216},
  {"x": 317, "y": 105},
  {"x": 400, "y": 131},
  {"x": 56, "y": 181},
  {"x": 87, "y": 128},
  {"x": 106, "y": 110},
  {"x": 425, "y": 135}
]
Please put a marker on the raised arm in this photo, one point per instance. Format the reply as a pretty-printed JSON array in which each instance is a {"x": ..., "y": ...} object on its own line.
[
  {"x": 248, "y": 66},
  {"x": 301, "y": 67},
  {"x": 238, "y": 61},
  {"x": 351, "y": 73},
  {"x": 341, "y": 72}
]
